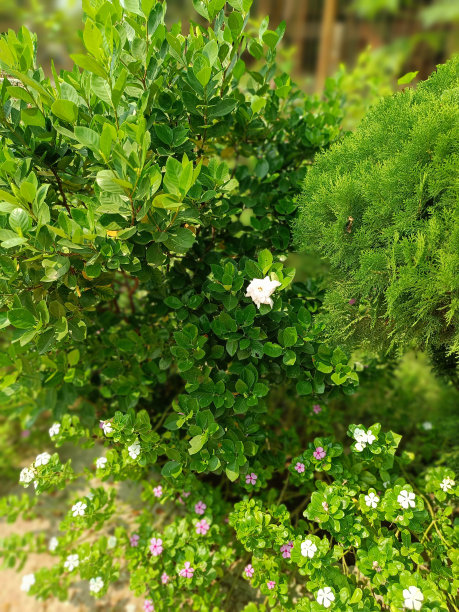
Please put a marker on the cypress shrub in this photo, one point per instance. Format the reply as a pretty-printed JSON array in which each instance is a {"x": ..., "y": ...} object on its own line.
[{"x": 382, "y": 207}]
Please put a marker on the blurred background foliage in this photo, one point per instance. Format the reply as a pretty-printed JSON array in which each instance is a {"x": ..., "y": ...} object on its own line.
[{"x": 321, "y": 35}]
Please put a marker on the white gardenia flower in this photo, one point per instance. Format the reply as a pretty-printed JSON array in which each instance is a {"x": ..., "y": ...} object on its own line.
[
  {"x": 359, "y": 446},
  {"x": 308, "y": 549},
  {"x": 107, "y": 427},
  {"x": 427, "y": 426},
  {"x": 413, "y": 598},
  {"x": 134, "y": 450},
  {"x": 53, "y": 544},
  {"x": 42, "y": 459},
  {"x": 27, "y": 581},
  {"x": 406, "y": 499},
  {"x": 101, "y": 463},
  {"x": 27, "y": 475},
  {"x": 325, "y": 597},
  {"x": 79, "y": 508},
  {"x": 72, "y": 562},
  {"x": 260, "y": 290},
  {"x": 54, "y": 429},
  {"x": 111, "y": 542},
  {"x": 371, "y": 500},
  {"x": 96, "y": 584},
  {"x": 446, "y": 484}
]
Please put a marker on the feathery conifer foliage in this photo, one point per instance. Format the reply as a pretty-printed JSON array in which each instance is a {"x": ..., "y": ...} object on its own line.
[{"x": 382, "y": 206}]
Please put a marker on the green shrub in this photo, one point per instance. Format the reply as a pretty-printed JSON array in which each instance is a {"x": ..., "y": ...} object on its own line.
[
  {"x": 147, "y": 309},
  {"x": 382, "y": 207}
]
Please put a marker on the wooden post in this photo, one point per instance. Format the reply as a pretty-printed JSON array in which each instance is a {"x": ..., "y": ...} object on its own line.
[
  {"x": 326, "y": 41},
  {"x": 264, "y": 8},
  {"x": 299, "y": 33}
]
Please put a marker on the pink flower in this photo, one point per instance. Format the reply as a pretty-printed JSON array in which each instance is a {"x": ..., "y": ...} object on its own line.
[
  {"x": 156, "y": 546},
  {"x": 270, "y": 584},
  {"x": 148, "y": 605},
  {"x": 251, "y": 478},
  {"x": 200, "y": 507},
  {"x": 158, "y": 491},
  {"x": 352, "y": 301},
  {"x": 285, "y": 550},
  {"x": 164, "y": 578},
  {"x": 316, "y": 409},
  {"x": 299, "y": 467},
  {"x": 319, "y": 453},
  {"x": 249, "y": 571},
  {"x": 202, "y": 527},
  {"x": 134, "y": 539},
  {"x": 186, "y": 494},
  {"x": 25, "y": 433},
  {"x": 187, "y": 571}
]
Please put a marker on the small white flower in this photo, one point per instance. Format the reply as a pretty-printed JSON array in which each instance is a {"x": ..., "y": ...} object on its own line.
[
  {"x": 134, "y": 450},
  {"x": 107, "y": 427},
  {"x": 35, "y": 484},
  {"x": 406, "y": 499},
  {"x": 96, "y": 584},
  {"x": 325, "y": 597},
  {"x": 42, "y": 459},
  {"x": 27, "y": 581},
  {"x": 413, "y": 598},
  {"x": 79, "y": 508},
  {"x": 72, "y": 562},
  {"x": 101, "y": 462},
  {"x": 371, "y": 500},
  {"x": 111, "y": 542},
  {"x": 427, "y": 426},
  {"x": 260, "y": 290},
  {"x": 446, "y": 484},
  {"x": 53, "y": 544},
  {"x": 363, "y": 438},
  {"x": 27, "y": 475},
  {"x": 386, "y": 483},
  {"x": 308, "y": 549},
  {"x": 90, "y": 495},
  {"x": 54, "y": 429},
  {"x": 370, "y": 437}
]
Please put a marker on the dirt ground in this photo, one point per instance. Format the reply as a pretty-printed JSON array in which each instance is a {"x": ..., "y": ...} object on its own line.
[{"x": 49, "y": 514}]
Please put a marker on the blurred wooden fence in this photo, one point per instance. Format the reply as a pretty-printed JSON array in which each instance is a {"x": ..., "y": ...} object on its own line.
[{"x": 326, "y": 33}]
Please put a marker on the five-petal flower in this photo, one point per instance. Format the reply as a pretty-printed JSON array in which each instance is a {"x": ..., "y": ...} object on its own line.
[
  {"x": 371, "y": 500},
  {"x": 308, "y": 549},
  {"x": 325, "y": 597},
  {"x": 406, "y": 499},
  {"x": 413, "y": 598}
]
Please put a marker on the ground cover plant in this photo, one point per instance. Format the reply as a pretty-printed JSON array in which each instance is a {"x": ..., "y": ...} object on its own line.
[{"x": 148, "y": 309}]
